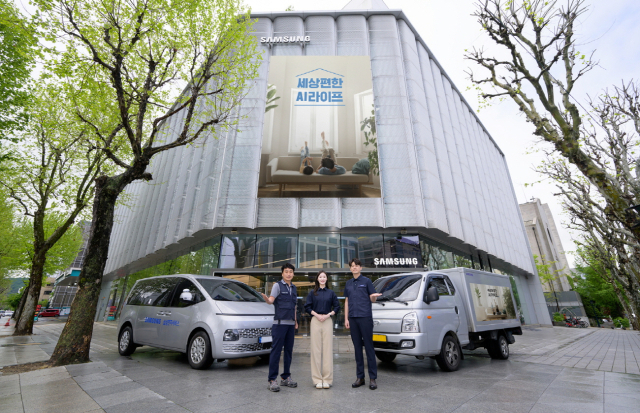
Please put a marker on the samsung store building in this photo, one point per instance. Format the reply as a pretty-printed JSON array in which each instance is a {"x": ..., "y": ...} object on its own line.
[{"x": 356, "y": 145}]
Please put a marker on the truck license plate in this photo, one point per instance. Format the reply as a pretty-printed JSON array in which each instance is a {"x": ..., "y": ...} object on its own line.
[
  {"x": 265, "y": 340},
  {"x": 379, "y": 337}
]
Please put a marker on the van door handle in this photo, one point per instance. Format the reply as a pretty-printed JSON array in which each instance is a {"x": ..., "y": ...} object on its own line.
[
  {"x": 167, "y": 313},
  {"x": 160, "y": 313},
  {"x": 456, "y": 309}
]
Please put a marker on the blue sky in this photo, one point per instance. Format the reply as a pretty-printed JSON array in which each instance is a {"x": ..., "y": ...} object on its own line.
[{"x": 609, "y": 27}]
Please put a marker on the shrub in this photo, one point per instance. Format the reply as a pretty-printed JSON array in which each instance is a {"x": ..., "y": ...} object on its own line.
[
  {"x": 621, "y": 322},
  {"x": 558, "y": 317}
]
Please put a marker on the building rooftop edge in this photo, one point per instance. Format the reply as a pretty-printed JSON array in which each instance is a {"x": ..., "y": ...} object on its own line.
[{"x": 399, "y": 14}]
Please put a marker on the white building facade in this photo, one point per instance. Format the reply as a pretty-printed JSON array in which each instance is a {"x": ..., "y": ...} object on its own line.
[{"x": 446, "y": 197}]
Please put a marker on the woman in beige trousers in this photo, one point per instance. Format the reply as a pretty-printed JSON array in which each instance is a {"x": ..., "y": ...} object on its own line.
[{"x": 322, "y": 303}]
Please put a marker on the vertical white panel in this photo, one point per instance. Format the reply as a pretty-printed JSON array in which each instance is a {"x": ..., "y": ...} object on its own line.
[
  {"x": 287, "y": 26},
  {"x": 322, "y": 30},
  {"x": 401, "y": 190},
  {"x": 433, "y": 202},
  {"x": 352, "y": 36}
]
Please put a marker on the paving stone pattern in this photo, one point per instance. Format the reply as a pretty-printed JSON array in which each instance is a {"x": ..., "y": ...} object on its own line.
[{"x": 154, "y": 380}]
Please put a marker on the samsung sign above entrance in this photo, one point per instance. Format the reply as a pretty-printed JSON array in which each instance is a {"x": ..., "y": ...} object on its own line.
[
  {"x": 395, "y": 261},
  {"x": 285, "y": 39}
]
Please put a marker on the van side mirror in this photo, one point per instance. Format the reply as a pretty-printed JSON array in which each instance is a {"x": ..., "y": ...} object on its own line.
[
  {"x": 186, "y": 296},
  {"x": 431, "y": 295}
]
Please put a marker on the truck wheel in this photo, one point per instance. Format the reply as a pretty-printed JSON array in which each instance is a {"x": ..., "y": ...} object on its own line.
[
  {"x": 199, "y": 351},
  {"x": 385, "y": 357},
  {"x": 126, "y": 346},
  {"x": 450, "y": 355},
  {"x": 499, "y": 349}
]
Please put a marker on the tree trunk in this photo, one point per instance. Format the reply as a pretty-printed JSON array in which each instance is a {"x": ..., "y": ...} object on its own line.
[
  {"x": 74, "y": 342},
  {"x": 16, "y": 314},
  {"x": 24, "y": 325}
]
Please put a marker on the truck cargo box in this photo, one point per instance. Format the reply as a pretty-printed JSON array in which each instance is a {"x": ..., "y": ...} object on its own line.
[{"x": 488, "y": 298}]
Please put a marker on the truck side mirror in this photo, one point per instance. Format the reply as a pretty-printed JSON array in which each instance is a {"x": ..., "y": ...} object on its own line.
[{"x": 431, "y": 295}]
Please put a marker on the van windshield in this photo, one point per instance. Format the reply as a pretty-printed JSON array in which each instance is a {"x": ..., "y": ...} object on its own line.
[
  {"x": 224, "y": 290},
  {"x": 401, "y": 287}
]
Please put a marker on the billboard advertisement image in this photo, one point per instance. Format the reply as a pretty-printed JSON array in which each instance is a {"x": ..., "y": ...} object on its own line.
[
  {"x": 319, "y": 136},
  {"x": 491, "y": 302}
]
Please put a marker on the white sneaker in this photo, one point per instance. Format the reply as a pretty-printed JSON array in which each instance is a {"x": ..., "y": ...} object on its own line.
[
  {"x": 319, "y": 386},
  {"x": 325, "y": 385}
]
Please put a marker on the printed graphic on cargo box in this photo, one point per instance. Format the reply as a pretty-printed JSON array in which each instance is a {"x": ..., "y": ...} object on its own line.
[{"x": 491, "y": 302}]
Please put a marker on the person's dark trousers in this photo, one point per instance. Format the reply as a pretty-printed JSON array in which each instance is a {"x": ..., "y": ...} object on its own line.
[
  {"x": 282, "y": 336},
  {"x": 362, "y": 335}
]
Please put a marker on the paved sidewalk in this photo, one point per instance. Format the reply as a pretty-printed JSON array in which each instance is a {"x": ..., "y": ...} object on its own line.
[{"x": 156, "y": 380}]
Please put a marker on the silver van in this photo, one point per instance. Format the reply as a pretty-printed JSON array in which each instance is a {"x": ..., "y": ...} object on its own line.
[
  {"x": 206, "y": 317},
  {"x": 438, "y": 313}
]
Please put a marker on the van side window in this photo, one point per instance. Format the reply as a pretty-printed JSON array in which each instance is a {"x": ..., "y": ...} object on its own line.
[
  {"x": 155, "y": 292},
  {"x": 450, "y": 284},
  {"x": 186, "y": 294},
  {"x": 440, "y": 286},
  {"x": 135, "y": 297}
]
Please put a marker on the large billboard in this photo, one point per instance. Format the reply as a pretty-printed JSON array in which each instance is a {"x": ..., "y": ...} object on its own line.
[
  {"x": 491, "y": 302},
  {"x": 319, "y": 136}
]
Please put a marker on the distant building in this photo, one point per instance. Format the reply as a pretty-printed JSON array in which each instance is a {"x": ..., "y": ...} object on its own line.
[
  {"x": 546, "y": 245},
  {"x": 46, "y": 289},
  {"x": 66, "y": 285}
]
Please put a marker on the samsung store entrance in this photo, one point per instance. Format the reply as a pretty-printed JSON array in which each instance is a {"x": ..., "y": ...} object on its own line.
[{"x": 256, "y": 259}]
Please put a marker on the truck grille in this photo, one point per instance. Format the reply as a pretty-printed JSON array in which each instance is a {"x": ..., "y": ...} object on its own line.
[
  {"x": 254, "y": 332},
  {"x": 245, "y": 348}
]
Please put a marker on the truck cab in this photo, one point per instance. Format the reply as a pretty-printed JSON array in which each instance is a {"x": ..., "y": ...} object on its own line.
[{"x": 438, "y": 313}]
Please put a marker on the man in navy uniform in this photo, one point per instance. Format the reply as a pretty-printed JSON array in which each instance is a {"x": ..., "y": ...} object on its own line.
[
  {"x": 284, "y": 297},
  {"x": 359, "y": 294}
]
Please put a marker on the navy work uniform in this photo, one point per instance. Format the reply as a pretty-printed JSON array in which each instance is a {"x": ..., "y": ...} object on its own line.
[
  {"x": 283, "y": 329},
  {"x": 358, "y": 291}
]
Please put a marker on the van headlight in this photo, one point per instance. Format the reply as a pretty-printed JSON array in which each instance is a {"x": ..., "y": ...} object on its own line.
[
  {"x": 410, "y": 323},
  {"x": 231, "y": 335}
]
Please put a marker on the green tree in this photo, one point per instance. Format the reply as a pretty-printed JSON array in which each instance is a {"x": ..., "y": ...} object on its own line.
[
  {"x": 18, "y": 50},
  {"x": 50, "y": 178},
  {"x": 548, "y": 276},
  {"x": 147, "y": 77}
]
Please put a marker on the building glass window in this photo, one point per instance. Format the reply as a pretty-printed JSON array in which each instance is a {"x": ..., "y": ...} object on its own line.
[
  {"x": 319, "y": 251},
  {"x": 464, "y": 261},
  {"x": 364, "y": 247},
  {"x": 273, "y": 251},
  {"x": 238, "y": 251},
  {"x": 404, "y": 248},
  {"x": 434, "y": 256}
]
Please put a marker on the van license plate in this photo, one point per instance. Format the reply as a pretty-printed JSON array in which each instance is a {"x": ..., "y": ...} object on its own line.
[
  {"x": 265, "y": 339},
  {"x": 379, "y": 337}
]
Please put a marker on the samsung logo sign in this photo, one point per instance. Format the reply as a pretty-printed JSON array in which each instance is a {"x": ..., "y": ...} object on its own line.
[
  {"x": 286, "y": 39},
  {"x": 395, "y": 261}
]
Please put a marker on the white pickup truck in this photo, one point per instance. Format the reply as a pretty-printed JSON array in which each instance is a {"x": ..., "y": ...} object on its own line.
[{"x": 438, "y": 313}]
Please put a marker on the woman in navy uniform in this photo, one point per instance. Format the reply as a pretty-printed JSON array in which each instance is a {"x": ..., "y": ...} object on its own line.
[
  {"x": 284, "y": 297},
  {"x": 322, "y": 303},
  {"x": 359, "y": 293}
]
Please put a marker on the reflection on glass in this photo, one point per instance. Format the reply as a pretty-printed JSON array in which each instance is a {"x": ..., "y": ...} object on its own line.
[
  {"x": 272, "y": 251},
  {"x": 224, "y": 290},
  {"x": 364, "y": 247},
  {"x": 319, "y": 251},
  {"x": 400, "y": 287},
  {"x": 238, "y": 251},
  {"x": 404, "y": 250},
  {"x": 155, "y": 292}
]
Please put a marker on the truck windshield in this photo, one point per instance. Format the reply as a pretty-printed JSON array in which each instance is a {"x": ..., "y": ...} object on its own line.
[
  {"x": 401, "y": 287},
  {"x": 222, "y": 290}
]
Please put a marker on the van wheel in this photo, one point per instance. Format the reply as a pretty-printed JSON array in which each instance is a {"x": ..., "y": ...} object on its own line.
[
  {"x": 499, "y": 349},
  {"x": 265, "y": 357},
  {"x": 450, "y": 355},
  {"x": 199, "y": 351},
  {"x": 126, "y": 346},
  {"x": 385, "y": 357}
]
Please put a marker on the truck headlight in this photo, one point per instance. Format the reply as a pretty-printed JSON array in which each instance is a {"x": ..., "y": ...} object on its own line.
[
  {"x": 410, "y": 323},
  {"x": 231, "y": 335}
]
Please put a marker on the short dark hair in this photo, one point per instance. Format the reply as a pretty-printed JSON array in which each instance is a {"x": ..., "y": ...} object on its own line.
[
  {"x": 308, "y": 170},
  {"x": 287, "y": 265},
  {"x": 328, "y": 163},
  {"x": 355, "y": 261}
]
